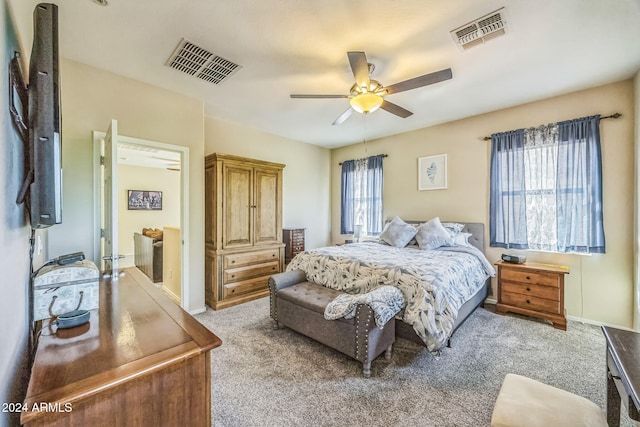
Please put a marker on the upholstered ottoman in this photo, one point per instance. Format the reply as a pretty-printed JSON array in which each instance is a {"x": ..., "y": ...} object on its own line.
[
  {"x": 524, "y": 402},
  {"x": 300, "y": 305}
]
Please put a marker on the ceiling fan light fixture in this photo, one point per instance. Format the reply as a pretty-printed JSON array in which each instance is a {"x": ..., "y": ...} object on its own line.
[{"x": 366, "y": 102}]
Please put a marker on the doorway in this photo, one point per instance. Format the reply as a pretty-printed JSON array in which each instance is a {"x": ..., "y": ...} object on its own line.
[{"x": 157, "y": 163}]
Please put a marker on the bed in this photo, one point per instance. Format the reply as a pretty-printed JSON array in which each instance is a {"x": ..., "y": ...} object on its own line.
[{"x": 441, "y": 287}]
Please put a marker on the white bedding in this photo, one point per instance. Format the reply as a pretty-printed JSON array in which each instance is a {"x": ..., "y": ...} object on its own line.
[{"x": 434, "y": 283}]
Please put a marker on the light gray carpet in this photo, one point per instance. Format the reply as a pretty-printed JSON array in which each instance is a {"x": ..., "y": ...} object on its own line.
[{"x": 262, "y": 377}]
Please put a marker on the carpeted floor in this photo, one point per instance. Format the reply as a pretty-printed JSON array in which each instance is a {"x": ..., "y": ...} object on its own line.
[{"x": 262, "y": 377}]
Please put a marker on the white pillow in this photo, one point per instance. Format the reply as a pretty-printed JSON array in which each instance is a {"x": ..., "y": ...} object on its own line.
[
  {"x": 398, "y": 233},
  {"x": 462, "y": 239},
  {"x": 432, "y": 235}
]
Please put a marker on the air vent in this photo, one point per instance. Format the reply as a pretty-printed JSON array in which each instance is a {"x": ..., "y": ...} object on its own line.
[
  {"x": 201, "y": 63},
  {"x": 481, "y": 30}
]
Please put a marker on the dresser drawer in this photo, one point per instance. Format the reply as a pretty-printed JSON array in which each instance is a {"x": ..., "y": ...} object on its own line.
[
  {"x": 250, "y": 271},
  {"x": 533, "y": 277},
  {"x": 530, "y": 302},
  {"x": 248, "y": 258},
  {"x": 546, "y": 292},
  {"x": 230, "y": 290}
]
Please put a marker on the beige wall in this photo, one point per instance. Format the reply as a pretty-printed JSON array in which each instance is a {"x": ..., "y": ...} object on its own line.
[
  {"x": 133, "y": 221},
  {"x": 600, "y": 287},
  {"x": 636, "y": 206},
  {"x": 171, "y": 262},
  {"x": 306, "y": 187},
  {"x": 90, "y": 99}
]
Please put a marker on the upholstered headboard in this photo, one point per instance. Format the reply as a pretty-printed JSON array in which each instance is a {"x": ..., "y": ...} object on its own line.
[{"x": 475, "y": 228}]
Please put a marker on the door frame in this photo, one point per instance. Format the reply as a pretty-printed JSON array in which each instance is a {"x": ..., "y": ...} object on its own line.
[{"x": 98, "y": 137}]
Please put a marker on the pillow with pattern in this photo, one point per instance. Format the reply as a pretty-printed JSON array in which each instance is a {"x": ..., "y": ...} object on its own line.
[
  {"x": 453, "y": 228},
  {"x": 398, "y": 233},
  {"x": 432, "y": 235}
]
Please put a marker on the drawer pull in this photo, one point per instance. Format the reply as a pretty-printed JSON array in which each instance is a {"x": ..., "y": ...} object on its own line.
[
  {"x": 528, "y": 289},
  {"x": 528, "y": 278},
  {"x": 528, "y": 302},
  {"x": 233, "y": 275},
  {"x": 233, "y": 262},
  {"x": 273, "y": 255},
  {"x": 273, "y": 268}
]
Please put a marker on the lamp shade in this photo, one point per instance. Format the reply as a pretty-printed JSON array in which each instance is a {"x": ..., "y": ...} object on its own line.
[{"x": 366, "y": 102}]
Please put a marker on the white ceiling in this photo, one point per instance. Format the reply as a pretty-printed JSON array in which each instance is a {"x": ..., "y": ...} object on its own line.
[{"x": 299, "y": 46}]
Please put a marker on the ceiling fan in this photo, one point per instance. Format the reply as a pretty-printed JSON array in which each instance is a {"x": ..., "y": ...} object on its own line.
[{"x": 367, "y": 95}]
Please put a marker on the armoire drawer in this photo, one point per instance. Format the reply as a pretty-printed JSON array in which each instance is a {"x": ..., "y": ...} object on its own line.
[
  {"x": 248, "y": 258},
  {"x": 230, "y": 290},
  {"x": 250, "y": 271}
]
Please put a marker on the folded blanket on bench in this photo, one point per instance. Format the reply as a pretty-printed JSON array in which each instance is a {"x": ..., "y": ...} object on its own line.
[{"x": 385, "y": 301}]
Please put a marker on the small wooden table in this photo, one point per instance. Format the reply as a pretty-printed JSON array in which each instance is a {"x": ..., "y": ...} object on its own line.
[{"x": 623, "y": 373}]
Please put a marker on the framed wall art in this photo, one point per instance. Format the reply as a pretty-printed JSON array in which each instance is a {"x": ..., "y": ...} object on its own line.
[
  {"x": 432, "y": 172},
  {"x": 140, "y": 200}
]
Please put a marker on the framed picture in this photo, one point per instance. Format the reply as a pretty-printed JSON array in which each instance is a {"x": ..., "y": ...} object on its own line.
[
  {"x": 140, "y": 200},
  {"x": 432, "y": 172}
]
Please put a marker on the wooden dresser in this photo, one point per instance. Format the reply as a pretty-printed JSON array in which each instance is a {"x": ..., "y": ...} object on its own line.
[
  {"x": 534, "y": 290},
  {"x": 294, "y": 242},
  {"x": 243, "y": 228},
  {"x": 140, "y": 361}
]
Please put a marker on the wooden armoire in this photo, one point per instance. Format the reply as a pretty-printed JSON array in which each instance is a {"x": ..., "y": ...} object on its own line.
[{"x": 243, "y": 228}]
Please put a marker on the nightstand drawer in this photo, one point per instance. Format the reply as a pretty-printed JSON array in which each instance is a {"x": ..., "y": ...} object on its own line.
[
  {"x": 533, "y": 277},
  {"x": 547, "y": 292},
  {"x": 530, "y": 302}
]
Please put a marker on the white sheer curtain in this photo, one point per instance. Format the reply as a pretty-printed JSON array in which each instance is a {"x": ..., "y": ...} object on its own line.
[
  {"x": 540, "y": 166},
  {"x": 362, "y": 181}
]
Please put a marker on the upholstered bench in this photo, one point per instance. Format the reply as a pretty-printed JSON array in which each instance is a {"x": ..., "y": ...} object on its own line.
[
  {"x": 524, "y": 402},
  {"x": 300, "y": 305}
]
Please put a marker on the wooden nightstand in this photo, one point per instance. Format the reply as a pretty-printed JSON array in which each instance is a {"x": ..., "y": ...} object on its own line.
[{"x": 533, "y": 290}]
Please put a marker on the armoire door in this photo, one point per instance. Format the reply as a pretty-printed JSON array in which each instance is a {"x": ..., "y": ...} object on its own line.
[
  {"x": 237, "y": 211},
  {"x": 267, "y": 206}
]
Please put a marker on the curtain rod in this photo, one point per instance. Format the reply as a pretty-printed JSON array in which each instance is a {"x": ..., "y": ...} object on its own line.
[
  {"x": 383, "y": 155},
  {"x": 612, "y": 116}
]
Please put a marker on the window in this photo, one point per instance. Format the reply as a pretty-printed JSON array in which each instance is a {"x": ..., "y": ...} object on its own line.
[
  {"x": 546, "y": 188},
  {"x": 361, "y": 199}
]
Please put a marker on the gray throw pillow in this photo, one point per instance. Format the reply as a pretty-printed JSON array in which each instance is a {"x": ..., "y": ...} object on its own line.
[
  {"x": 432, "y": 235},
  {"x": 398, "y": 233}
]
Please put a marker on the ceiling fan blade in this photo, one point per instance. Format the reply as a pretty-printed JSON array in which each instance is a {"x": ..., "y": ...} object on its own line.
[
  {"x": 395, "y": 109},
  {"x": 427, "y": 79},
  {"x": 318, "y": 96},
  {"x": 360, "y": 68},
  {"x": 342, "y": 117}
]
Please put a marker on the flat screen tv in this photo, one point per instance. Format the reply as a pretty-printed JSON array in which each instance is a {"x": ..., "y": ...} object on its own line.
[{"x": 44, "y": 163}]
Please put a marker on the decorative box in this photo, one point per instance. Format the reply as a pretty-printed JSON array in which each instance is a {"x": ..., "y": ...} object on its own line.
[{"x": 59, "y": 289}]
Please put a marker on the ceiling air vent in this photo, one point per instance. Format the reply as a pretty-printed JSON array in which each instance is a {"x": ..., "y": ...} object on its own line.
[
  {"x": 481, "y": 30},
  {"x": 201, "y": 63}
]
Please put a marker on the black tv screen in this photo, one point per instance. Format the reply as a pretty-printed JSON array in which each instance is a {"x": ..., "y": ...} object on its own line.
[{"x": 44, "y": 120}]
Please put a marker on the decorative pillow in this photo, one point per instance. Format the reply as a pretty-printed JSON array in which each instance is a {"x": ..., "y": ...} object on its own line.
[
  {"x": 453, "y": 228},
  {"x": 398, "y": 233},
  {"x": 432, "y": 235},
  {"x": 462, "y": 239}
]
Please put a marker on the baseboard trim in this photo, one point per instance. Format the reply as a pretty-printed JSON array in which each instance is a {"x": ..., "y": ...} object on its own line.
[
  {"x": 597, "y": 323},
  {"x": 577, "y": 319},
  {"x": 197, "y": 311},
  {"x": 171, "y": 295}
]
